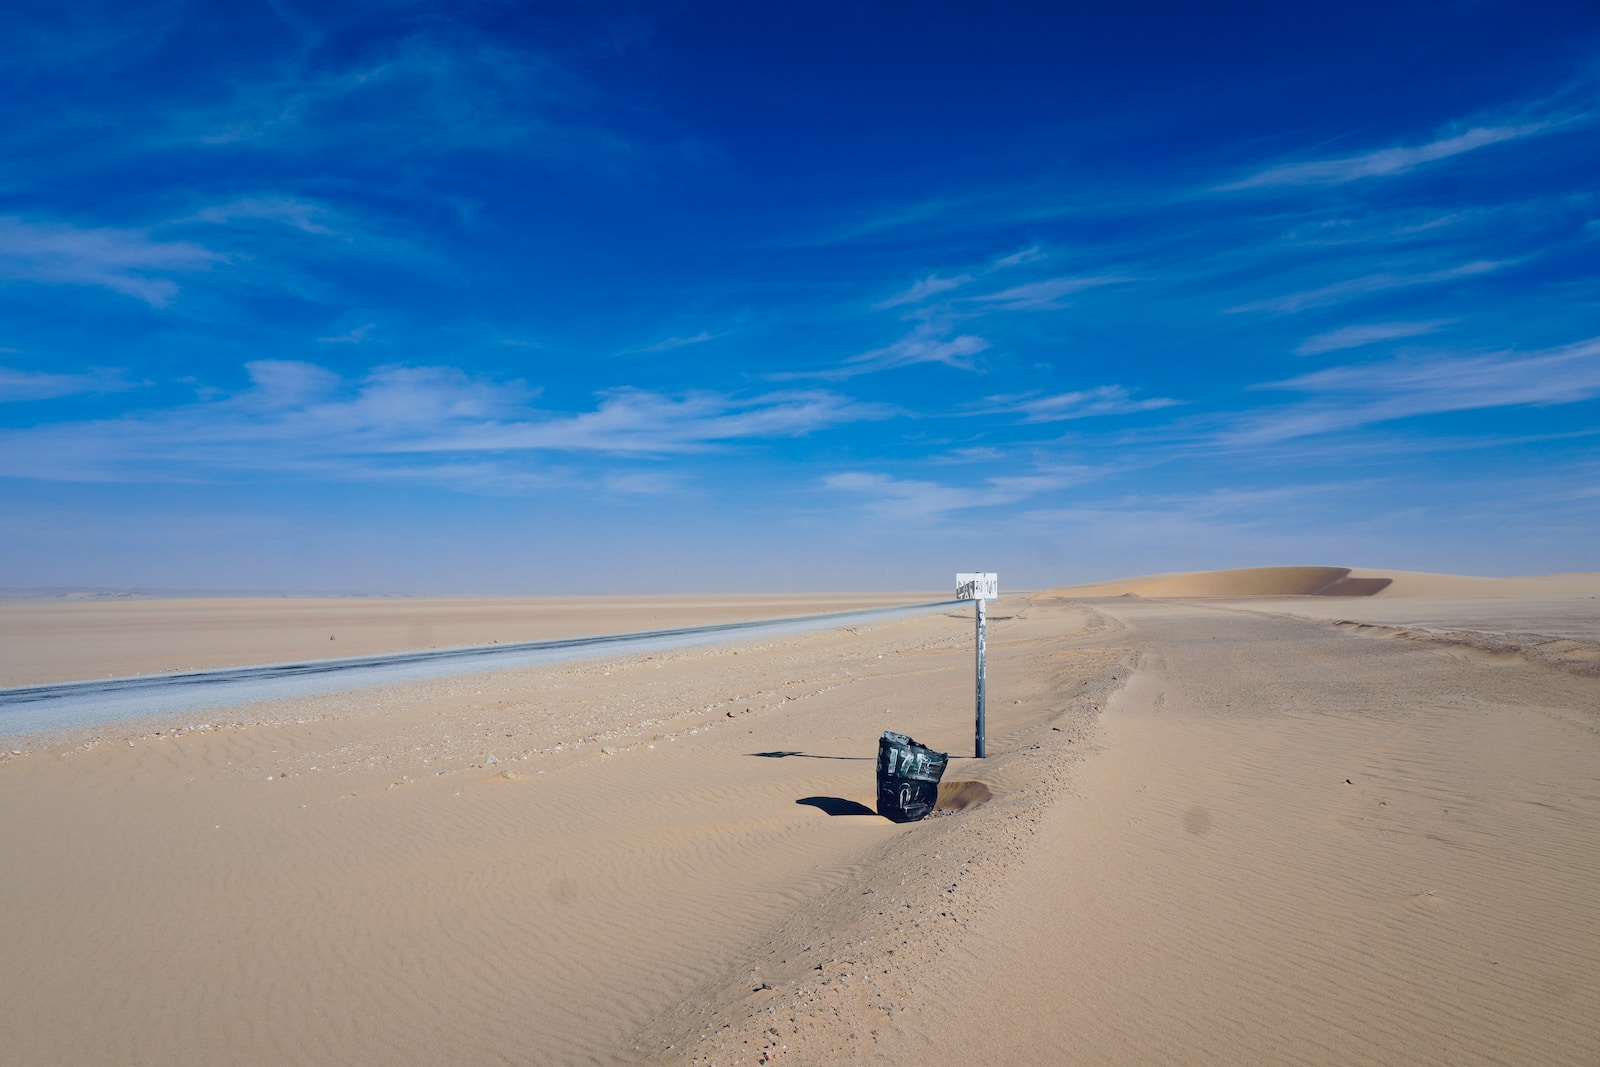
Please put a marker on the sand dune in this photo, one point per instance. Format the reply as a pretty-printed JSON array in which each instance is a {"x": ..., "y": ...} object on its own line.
[
  {"x": 1254, "y": 581},
  {"x": 1334, "y": 582},
  {"x": 1215, "y": 831},
  {"x": 1551, "y": 619}
]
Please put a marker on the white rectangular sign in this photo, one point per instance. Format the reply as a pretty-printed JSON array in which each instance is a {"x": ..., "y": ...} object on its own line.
[{"x": 977, "y": 587}]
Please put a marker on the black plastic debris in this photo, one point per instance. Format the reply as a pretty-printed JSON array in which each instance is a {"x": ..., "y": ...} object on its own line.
[{"x": 908, "y": 777}]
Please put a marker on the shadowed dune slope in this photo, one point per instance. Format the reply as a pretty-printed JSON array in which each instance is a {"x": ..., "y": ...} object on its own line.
[{"x": 1252, "y": 581}]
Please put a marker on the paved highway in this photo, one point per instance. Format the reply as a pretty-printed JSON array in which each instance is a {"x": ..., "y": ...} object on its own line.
[{"x": 38, "y": 708}]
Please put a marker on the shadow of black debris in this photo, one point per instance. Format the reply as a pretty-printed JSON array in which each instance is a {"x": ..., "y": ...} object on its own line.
[{"x": 836, "y": 805}]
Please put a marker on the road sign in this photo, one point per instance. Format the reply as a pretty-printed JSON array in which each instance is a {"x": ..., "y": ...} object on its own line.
[{"x": 977, "y": 587}]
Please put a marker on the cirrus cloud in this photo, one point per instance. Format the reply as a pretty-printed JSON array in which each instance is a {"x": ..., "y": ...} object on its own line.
[
  {"x": 1388, "y": 162},
  {"x": 1344, "y": 398},
  {"x": 296, "y": 416},
  {"x": 125, "y": 261}
]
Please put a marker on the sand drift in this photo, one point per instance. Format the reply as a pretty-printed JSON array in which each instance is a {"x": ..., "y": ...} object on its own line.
[{"x": 37, "y": 708}]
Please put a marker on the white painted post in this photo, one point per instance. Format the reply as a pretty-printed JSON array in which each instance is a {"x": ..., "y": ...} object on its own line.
[
  {"x": 978, "y": 744},
  {"x": 979, "y": 587}
]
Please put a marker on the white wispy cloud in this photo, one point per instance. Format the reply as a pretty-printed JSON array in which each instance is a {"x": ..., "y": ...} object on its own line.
[
  {"x": 1212, "y": 528},
  {"x": 1555, "y": 376},
  {"x": 1043, "y": 294},
  {"x": 289, "y": 105},
  {"x": 921, "y": 290},
  {"x": 1326, "y": 295},
  {"x": 127, "y": 261},
  {"x": 1366, "y": 334},
  {"x": 636, "y": 422},
  {"x": 675, "y": 342},
  {"x": 908, "y": 498},
  {"x": 437, "y": 90},
  {"x": 1388, "y": 162},
  {"x": 353, "y": 336},
  {"x": 974, "y": 454},
  {"x": 1343, "y": 398},
  {"x": 890, "y": 220},
  {"x": 1080, "y": 404},
  {"x": 1161, "y": 512},
  {"x": 296, "y": 416},
  {"x": 643, "y": 483},
  {"x": 16, "y": 385},
  {"x": 287, "y": 383},
  {"x": 1371, "y": 227},
  {"x": 1031, "y": 254},
  {"x": 934, "y": 284},
  {"x": 297, "y": 213},
  {"x": 925, "y": 344},
  {"x": 297, "y": 246}
]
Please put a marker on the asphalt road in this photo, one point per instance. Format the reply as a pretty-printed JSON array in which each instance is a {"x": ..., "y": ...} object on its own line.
[{"x": 40, "y": 708}]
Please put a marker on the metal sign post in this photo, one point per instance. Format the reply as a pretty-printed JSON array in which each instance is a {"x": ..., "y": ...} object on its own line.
[{"x": 981, "y": 587}]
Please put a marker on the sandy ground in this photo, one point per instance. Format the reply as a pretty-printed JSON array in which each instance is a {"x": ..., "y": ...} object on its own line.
[
  {"x": 69, "y": 640},
  {"x": 1299, "y": 847},
  {"x": 1214, "y": 832}
]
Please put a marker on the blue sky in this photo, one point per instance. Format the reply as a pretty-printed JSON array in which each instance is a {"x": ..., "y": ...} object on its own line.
[{"x": 673, "y": 296}]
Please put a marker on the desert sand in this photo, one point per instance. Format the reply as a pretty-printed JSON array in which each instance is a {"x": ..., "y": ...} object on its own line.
[
  {"x": 63, "y": 640},
  {"x": 1218, "y": 825}
]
